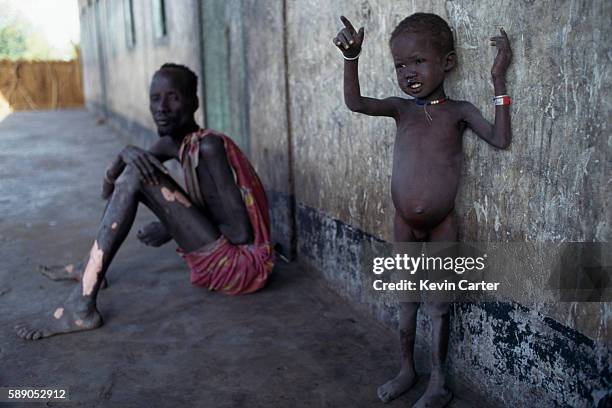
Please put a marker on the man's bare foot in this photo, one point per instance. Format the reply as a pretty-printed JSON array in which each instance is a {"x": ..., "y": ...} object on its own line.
[
  {"x": 61, "y": 320},
  {"x": 436, "y": 395},
  {"x": 395, "y": 387},
  {"x": 62, "y": 272},
  {"x": 66, "y": 272}
]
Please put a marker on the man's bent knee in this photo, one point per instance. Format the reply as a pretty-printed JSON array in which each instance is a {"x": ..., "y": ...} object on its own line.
[{"x": 129, "y": 179}]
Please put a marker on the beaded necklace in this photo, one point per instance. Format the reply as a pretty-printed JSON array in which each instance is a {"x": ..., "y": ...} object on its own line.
[{"x": 424, "y": 103}]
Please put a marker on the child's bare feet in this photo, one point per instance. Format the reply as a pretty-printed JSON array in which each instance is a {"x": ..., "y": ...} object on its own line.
[
  {"x": 436, "y": 395},
  {"x": 67, "y": 319},
  {"x": 62, "y": 272},
  {"x": 395, "y": 387}
]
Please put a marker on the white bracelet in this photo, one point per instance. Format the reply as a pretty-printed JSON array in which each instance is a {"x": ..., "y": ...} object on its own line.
[
  {"x": 352, "y": 58},
  {"x": 501, "y": 100}
]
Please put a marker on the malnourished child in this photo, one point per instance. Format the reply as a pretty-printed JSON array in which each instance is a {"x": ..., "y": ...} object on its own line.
[{"x": 426, "y": 160}]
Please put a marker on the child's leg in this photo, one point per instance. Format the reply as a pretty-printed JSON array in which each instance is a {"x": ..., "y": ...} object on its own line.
[
  {"x": 437, "y": 394},
  {"x": 407, "y": 331},
  {"x": 407, "y": 377}
]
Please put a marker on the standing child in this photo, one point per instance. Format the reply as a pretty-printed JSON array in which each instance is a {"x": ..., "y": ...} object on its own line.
[{"x": 426, "y": 160}]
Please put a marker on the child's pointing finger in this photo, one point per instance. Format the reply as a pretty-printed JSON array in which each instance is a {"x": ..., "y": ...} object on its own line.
[{"x": 347, "y": 24}]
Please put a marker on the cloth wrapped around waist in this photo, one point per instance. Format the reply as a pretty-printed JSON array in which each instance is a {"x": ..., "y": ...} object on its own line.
[{"x": 231, "y": 269}]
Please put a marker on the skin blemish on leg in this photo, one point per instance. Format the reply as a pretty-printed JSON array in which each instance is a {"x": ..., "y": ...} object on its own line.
[
  {"x": 58, "y": 312},
  {"x": 114, "y": 226},
  {"x": 168, "y": 195},
  {"x": 93, "y": 268},
  {"x": 175, "y": 196},
  {"x": 182, "y": 199}
]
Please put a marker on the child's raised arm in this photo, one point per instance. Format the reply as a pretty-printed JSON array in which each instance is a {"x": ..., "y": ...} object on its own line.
[
  {"x": 349, "y": 41},
  {"x": 500, "y": 133}
]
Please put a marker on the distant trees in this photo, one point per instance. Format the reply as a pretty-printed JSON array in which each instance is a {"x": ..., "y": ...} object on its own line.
[
  {"x": 19, "y": 39},
  {"x": 13, "y": 38}
]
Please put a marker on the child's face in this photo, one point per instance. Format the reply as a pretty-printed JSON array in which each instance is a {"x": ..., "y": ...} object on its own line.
[{"x": 419, "y": 65}]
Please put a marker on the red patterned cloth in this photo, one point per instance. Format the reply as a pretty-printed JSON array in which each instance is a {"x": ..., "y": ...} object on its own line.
[{"x": 221, "y": 265}]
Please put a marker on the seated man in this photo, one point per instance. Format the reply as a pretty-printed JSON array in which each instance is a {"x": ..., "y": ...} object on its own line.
[{"x": 221, "y": 224}]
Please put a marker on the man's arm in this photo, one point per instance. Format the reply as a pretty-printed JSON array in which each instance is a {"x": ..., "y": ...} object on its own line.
[
  {"x": 500, "y": 133},
  {"x": 235, "y": 224},
  {"x": 349, "y": 42},
  {"x": 144, "y": 161}
]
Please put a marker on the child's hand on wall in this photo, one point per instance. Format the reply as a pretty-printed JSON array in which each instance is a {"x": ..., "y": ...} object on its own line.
[
  {"x": 504, "y": 55},
  {"x": 348, "y": 40}
]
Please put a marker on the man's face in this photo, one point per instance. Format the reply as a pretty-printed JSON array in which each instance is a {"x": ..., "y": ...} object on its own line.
[
  {"x": 169, "y": 102},
  {"x": 419, "y": 64}
]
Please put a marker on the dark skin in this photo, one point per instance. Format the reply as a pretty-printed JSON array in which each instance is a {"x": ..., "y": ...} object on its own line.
[
  {"x": 426, "y": 169},
  {"x": 142, "y": 178}
]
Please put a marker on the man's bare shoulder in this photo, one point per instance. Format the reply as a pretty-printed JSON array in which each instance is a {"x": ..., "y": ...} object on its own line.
[{"x": 212, "y": 146}]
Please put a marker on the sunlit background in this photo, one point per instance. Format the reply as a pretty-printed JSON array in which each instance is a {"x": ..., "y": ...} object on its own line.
[
  {"x": 32, "y": 31},
  {"x": 38, "y": 29}
]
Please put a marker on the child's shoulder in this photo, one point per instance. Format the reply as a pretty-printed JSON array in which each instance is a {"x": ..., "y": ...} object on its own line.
[
  {"x": 462, "y": 107},
  {"x": 459, "y": 103},
  {"x": 401, "y": 103},
  {"x": 396, "y": 100}
]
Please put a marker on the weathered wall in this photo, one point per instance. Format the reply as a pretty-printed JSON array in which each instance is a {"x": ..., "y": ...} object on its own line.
[
  {"x": 327, "y": 170},
  {"x": 270, "y": 136},
  {"x": 552, "y": 184},
  {"x": 536, "y": 190},
  {"x": 125, "y": 73},
  {"x": 89, "y": 56},
  {"x": 245, "y": 94}
]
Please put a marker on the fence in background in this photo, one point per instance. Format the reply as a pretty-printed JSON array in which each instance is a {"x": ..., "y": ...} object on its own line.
[{"x": 32, "y": 85}]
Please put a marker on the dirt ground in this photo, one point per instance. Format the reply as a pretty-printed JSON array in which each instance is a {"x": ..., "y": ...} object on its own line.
[{"x": 164, "y": 343}]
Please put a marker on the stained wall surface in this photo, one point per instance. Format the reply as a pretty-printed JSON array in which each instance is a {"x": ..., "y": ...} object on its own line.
[
  {"x": 117, "y": 71},
  {"x": 536, "y": 190},
  {"x": 327, "y": 170},
  {"x": 552, "y": 184}
]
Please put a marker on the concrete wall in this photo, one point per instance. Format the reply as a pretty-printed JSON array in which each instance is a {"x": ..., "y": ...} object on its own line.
[
  {"x": 269, "y": 116},
  {"x": 125, "y": 72},
  {"x": 553, "y": 184},
  {"x": 327, "y": 170}
]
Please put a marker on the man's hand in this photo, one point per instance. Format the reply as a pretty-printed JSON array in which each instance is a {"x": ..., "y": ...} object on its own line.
[
  {"x": 348, "y": 40},
  {"x": 144, "y": 161},
  {"x": 154, "y": 234},
  {"x": 504, "y": 55}
]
